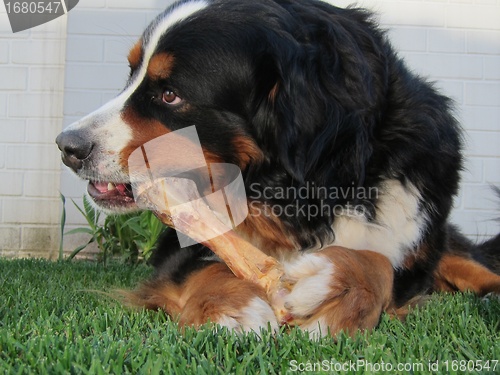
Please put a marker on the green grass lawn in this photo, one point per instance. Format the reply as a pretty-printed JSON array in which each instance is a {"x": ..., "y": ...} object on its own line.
[{"x": 52, "y": 323}]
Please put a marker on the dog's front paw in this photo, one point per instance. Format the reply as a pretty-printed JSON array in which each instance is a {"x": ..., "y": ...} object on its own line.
[
  {"x": 311, "y": 276},
  {"x": 338, "y": 289}
]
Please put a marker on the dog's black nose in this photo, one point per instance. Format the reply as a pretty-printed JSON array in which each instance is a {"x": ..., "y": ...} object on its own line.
[{"x": 74, "y": 149}]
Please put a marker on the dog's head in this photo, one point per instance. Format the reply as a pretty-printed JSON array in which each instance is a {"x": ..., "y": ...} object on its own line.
[{"x": 282, "y": 89}]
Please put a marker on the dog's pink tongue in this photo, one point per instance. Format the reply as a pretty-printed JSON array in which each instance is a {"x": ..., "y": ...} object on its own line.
[
  {"x": 121, "y": 188},
  {"x": 101, "y": 186}
]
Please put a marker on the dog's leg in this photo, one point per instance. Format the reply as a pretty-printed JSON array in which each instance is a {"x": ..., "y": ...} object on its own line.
[
  {"x": 339, "y": 289},
  {"x": 212, "y": 294},
  {"x": 467, "y": 266},
  {"x": 459, "y": 273}
]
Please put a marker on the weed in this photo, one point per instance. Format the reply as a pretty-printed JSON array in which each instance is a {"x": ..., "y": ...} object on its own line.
[{"x": 131, "y": 237}]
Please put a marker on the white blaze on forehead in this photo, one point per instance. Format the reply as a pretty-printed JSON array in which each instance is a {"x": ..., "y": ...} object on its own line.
[
  {"x": 110, "y": 113},
  {"x": 164, "y": 24}
]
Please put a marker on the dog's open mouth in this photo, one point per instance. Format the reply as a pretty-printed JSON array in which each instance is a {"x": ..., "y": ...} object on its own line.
[{"x": 109, "y": 194}]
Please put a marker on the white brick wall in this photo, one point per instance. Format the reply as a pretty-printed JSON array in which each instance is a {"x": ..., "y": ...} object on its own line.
[
  {"x": 83, "y": 61},
  {"x": 31, "y": 97}
]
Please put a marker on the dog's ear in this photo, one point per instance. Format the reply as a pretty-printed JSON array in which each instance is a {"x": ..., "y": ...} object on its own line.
[
  {"x": 317, "y": 97},
  {"x": 281, "y": 120}
]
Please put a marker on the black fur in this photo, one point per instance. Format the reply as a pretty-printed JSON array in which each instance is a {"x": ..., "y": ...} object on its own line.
[
  {"x": 486, "y": 253},
  {"x": 173, "y": 263},
  {"x": 347, "y": 112},
  {"x": 302, "y": 96}
]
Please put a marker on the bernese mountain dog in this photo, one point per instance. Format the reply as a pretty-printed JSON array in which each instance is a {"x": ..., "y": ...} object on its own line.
[{"x": 350, "y": 162}]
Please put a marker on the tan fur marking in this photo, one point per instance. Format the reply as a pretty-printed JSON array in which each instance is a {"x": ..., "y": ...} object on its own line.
[
  {"x": 247, "y": 151},
  {"x": 135, "y": 55},
  {"x": 155, "y": 295},
  {"x": 361, "y": 289},
  {"x": 161, "y": 157},
  {"x": 143, "y": 131},
  {"x": 215, "y": 292},
  {"x": 273, "y": 93},
  {"x": 265, "y": 231},
  {"x": 421, "y": 255},
  {"x": 462, "y": 274},
  {"x": 160, "y": 66},
  {"x": 206, "y": 295}
]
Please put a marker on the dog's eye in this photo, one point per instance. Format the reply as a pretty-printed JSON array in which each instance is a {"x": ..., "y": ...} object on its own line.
[{"x": 169, "y": 97}]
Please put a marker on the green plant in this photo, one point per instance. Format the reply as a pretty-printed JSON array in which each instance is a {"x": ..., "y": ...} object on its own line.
[
  {"x": 131, "y": 237},
  {"x": 63, "y": 224}
]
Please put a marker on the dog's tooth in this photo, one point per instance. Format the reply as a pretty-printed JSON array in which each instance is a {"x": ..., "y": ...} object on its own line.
[{"x": 111, "y": 186}]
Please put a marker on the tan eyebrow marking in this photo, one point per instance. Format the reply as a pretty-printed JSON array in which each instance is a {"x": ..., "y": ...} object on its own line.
[
  {"x": 161, "y": 65},
  {"x": 135, "y": 55}
]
